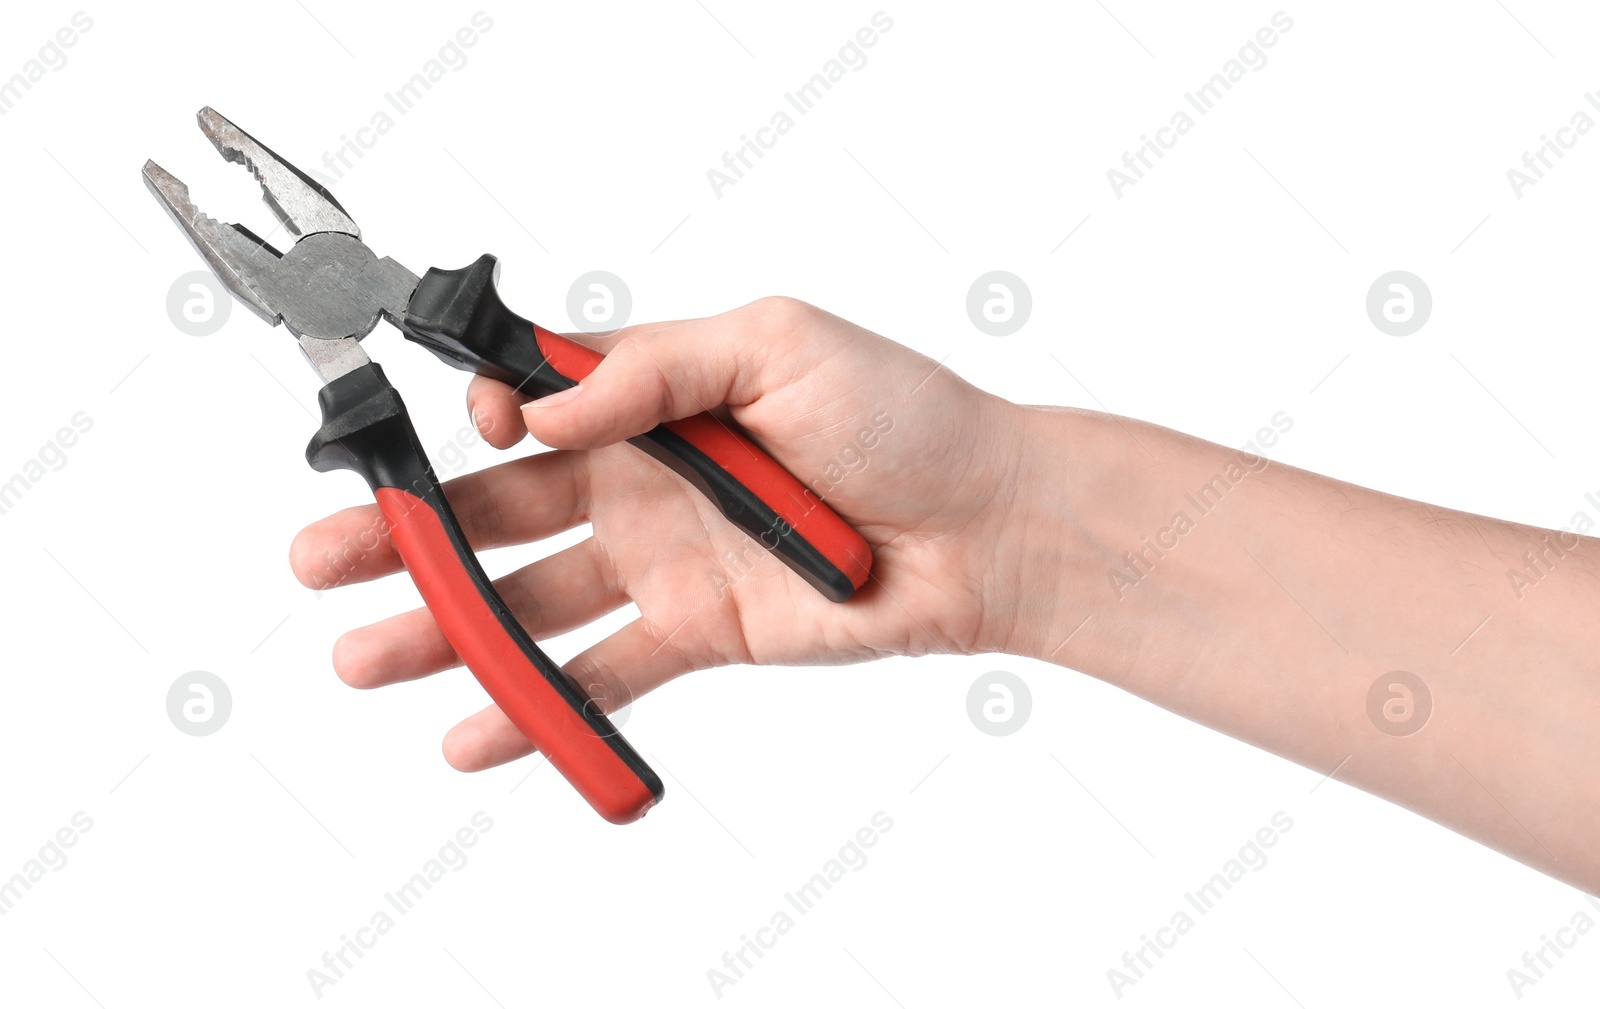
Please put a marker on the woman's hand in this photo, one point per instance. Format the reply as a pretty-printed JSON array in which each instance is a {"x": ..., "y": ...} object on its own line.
[{"x": 920, "y": 462}]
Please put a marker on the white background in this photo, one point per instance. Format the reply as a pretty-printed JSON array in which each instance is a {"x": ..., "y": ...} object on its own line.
[{"x": 577, "y": 137}]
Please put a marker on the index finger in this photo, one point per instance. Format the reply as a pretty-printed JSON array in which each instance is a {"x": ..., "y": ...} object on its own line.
[{"x": 496, "y": 408}]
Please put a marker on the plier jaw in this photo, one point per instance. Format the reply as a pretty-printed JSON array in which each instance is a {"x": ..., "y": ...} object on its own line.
[
  {"x": 234, "y": 253},
  {"x": 301, "y": 205}
]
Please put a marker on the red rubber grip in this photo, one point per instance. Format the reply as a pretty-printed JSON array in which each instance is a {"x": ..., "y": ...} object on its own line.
[
  {"x": 745, "y": 462},
  {"x": 534, "y": 706}
]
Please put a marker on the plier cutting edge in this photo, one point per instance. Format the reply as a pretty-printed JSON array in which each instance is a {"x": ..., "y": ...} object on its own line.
[{"x": 329, "y": 290}]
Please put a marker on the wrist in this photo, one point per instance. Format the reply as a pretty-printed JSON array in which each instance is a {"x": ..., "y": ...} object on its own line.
[{"x": 1057, "y": 503}]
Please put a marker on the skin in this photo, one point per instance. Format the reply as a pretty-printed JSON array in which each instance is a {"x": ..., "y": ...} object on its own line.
[{"x": 1004, "y": 528}]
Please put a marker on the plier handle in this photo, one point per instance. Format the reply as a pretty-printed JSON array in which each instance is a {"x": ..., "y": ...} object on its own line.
[{"x": 330, "y": 290}]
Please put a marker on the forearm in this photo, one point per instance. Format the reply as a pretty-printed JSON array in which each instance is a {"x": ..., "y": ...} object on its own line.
[{"x": 1266, "y": 602}]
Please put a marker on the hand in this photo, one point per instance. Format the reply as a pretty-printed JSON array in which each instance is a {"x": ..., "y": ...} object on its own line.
[{"x": 920, "y": 462}]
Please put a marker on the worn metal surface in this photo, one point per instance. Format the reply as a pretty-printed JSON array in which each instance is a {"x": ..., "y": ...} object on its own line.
[{"x": 329, "y": 289}]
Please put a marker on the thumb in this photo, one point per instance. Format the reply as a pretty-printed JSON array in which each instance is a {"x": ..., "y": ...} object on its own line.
[{"x": 668, "y": 371}]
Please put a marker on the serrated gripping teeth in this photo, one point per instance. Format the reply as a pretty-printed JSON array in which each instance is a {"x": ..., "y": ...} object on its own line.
[
  {"x": 301, "y": 205},
  {"x": 238, "y": 257}
]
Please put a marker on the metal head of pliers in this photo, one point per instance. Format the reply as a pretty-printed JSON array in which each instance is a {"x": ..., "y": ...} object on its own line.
[{"x": 329, "y": 289}]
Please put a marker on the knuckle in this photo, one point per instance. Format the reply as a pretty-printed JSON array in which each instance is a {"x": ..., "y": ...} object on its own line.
[
  {"x": 524, "y": 603},
  {"x": 626, "y": 348},
  {"x": 603, "y": 565},
  {"x": 595, "y": 677},
  {"x": 779, "y": 315},
  {"x": 646, "y": 387},
  {"x": 631, "y": 355},
  {"x": 478, "y": 509}
]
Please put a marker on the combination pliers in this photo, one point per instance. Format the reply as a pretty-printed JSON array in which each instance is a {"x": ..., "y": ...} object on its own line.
[{"x": 329, "y": 290}]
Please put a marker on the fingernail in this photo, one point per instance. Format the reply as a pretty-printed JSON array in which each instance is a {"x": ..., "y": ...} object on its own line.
[{"x": 561, "y": 398}]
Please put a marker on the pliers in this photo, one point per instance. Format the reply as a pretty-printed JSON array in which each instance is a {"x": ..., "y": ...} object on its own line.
[{"x": 329, "y": 290}]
